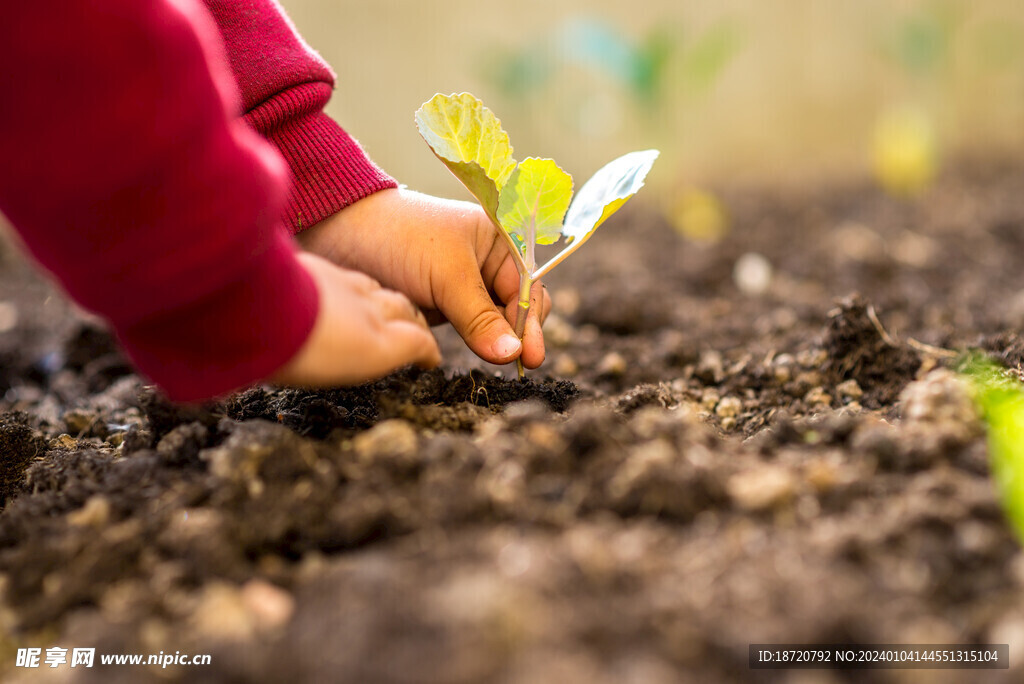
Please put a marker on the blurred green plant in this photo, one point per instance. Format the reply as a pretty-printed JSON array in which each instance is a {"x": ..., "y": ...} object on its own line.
[
  {"x": 642, "y": 68},
  {"x": 905, "y": 148},
  {"x": 920, "y": 43},
  {"x": 665, "y": 68},
  {"x": 1000, "y": 397},
  {"x": 930, "y": 47}
]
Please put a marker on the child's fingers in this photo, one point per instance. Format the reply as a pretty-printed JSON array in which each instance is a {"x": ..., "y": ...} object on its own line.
[
  {"x": 533, "y": 338},
  {"x": 506, "y": 281},
  {"x": 362, "y": 332},
  {"x": 396, "y": 306},
  {"x": 545, "y": 299},
  {"x": 358, "y": 281},
  {"x": 409, "y": 342}
]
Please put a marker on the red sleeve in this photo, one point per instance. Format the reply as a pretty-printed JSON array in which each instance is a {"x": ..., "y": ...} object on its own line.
[
  {"x": 128, "y": 176},
  {"x": 285, "y": 86}
]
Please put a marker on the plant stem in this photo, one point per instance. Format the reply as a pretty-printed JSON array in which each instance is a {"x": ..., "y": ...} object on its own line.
[{"x": 525, "y": 282}]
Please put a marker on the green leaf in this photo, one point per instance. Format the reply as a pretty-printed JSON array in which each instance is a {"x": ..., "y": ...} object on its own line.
[
  {"x": 1001, "y": 400},
  {"x": 533, "y": 202},
  {"x": 605, "y": 192},
  {"x": 468, "y": 138}
]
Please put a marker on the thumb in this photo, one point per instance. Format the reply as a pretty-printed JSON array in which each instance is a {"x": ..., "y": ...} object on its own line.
[{"x": 483, "y": 327}]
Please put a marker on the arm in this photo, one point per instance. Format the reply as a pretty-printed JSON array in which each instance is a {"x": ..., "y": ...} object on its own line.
[{"x": 128, "y": 176}]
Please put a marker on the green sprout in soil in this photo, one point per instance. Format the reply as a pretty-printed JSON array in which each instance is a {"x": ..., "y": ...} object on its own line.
[
  {"x": 1000, "y": 396},
  {"x": 527, "y": 202}
]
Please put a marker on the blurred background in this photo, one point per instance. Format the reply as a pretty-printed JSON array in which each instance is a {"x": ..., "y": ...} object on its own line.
[{"x": 730, "y": 90}]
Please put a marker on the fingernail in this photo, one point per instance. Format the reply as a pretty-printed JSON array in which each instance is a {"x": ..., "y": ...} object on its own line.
[{"x": 506, "y": 346}]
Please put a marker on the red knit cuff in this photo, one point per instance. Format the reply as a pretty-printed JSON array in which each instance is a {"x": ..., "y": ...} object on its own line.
[
  {"x": 329, "y": 169},
  {"x": 240, "y": 334}
]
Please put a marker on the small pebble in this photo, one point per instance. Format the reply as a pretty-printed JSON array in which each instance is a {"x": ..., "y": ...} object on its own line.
[
  {"x": 811, "y": 358},
  {"x": 613, "y": 363},
  {"x": 588, "y": 334},
  {"x": 222, "y": 614},
  {"x": 544, "y": 436},
  {"x": 818, "y": 397},
  {"x": 728, "y": 407},
  {"x": 752, "y": 274},
  {"x": 78, "y": 421},
  {"x": 392, "y": 437},
  {"x": 558, "y": 332},
  {"x": 709, "y": 400},
  {"x": 782, "y": 368},
  {"x": 809, "y": 378},
  {"x": 761, "y": 488},
  {"x": 565, "y": 366},
  {"x": 711, "y": 367},
  {"x": 782, "y": 374},
  {"x": 271, "y": 606},
  {"x": 566, "y": 301},
  {"x": 914, "y": 250},
  {"x": 857, "y": 242},
  {"x": 63, "y": 441},
  {"x": 849, "y": 390},
  {"x": 822, "y": 475}
]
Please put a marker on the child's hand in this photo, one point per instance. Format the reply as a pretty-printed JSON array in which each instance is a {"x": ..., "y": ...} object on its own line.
[
  {"x": 363, "y": 331},
  {"x": 446, "y": 256}
]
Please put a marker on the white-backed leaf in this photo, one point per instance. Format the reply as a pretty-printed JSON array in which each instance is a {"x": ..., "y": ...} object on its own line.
[
  {"x": 469, "y": 139},
  {"x": 533, "y": 202},
  {"x": 605, "y": 192},
  {"x": 599, "y": 198}
]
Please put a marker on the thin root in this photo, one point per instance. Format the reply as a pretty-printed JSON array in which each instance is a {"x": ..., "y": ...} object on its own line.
[
  {"x": 921, "y": 347},
  {"x": 932, "y": 350},
  {"x": 873, "y": 317}
]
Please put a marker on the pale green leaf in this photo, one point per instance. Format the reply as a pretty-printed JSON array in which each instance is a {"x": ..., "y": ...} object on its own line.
[
  {"x": 468, "y": 138},
  {"x": 1001, "y": 400},
  {"x": 534, "y": 201},
  {"x": 605, "y": 192}
]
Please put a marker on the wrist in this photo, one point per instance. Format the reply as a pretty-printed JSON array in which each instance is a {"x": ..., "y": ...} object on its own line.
[{"x": 344, "y": 237}]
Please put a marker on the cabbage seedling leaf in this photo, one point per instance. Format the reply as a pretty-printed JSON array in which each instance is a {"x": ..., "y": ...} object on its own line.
[
  {"x": 469, "y": 139},
  {"x": 599, "y": 198},
  {"x": 605, "y": 192},
  {"x": 534, "y": 201}
]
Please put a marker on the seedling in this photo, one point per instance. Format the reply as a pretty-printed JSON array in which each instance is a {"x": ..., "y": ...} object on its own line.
[{"x": 528, "y": 202}]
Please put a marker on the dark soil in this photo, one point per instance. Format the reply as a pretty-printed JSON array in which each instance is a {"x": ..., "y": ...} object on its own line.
[{"x": 711, "y": 469}]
